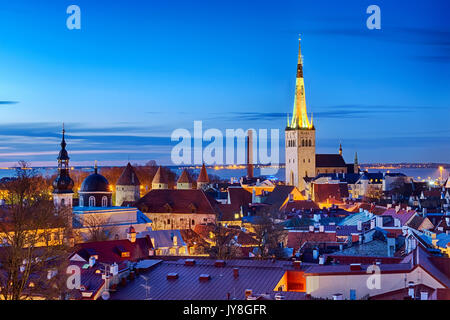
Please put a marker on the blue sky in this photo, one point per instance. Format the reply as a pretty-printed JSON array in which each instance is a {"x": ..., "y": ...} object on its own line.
[{"x": 137, "y": 70}]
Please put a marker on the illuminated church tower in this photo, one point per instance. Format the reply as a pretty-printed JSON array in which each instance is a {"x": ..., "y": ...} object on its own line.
[
  {"x": 63, "y": 184},
  {"x": 300, "y": 136}
]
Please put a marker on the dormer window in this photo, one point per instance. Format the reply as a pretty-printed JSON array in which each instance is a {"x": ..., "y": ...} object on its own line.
[
  {"x": 168, "y": 208},
  {"x": 192, "y": 208}
]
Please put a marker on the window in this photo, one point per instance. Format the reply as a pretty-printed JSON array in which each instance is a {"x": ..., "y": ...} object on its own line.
[
  {"x": 91, "y": 201},
  {"x": 63, "y": 202},
  {"x": 81, "y": 201},
  {"x": 193, "y": 222},
  {"x": 104, "y": 201}
]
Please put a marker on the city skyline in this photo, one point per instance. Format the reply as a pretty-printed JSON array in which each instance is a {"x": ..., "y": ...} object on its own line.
[{"x": 122, "y": 85}]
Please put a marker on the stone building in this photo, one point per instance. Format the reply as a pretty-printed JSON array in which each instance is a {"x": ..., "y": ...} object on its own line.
[{"x": 128, "y": 186}]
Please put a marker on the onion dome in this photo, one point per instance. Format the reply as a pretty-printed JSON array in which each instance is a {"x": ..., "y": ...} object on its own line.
[{"x": 95, "y": 183}]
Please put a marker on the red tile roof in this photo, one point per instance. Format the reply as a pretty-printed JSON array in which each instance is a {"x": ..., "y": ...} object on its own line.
[
  {"x": 297, "y": 238},
  {"x": 128, "y": 177},
  {"x": 184, "y": 178},
  {"x": 110, "y": 251},
  {"x": 203, "y": 176},
  {"x": 299, "y": 205},
  {"x": 159, "y": 177},
  {"x": 324, "y": 191},
  {"x": 176, "y": 201}
]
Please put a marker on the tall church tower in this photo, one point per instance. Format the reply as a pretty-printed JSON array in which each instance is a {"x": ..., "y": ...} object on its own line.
[
  {"x": 300, "y": 136},
  {"x": 63, "y": 184}
]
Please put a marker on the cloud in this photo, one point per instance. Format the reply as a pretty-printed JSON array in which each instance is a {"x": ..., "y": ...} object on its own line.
[
  {"x": 338, "y": 111},
  {"x": 5, "y": 102}
]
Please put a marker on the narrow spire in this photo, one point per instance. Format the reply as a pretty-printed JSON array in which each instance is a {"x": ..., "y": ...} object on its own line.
[
  {"x": 356, "y": 158},
  {"x": 95, "y": 167},
  {"x": 288, "y": 120},
  {"x": 300, "y": 116},
  {"x": 340, "y": 149}
]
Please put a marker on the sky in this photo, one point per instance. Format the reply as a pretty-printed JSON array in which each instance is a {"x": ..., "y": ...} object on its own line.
[{"x": 138, "y": 70}]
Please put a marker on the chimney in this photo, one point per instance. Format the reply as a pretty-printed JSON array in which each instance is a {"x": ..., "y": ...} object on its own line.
[
  {"x": 153, "y": 242},
  {"x": 131, "y": 234},
  {"x": 297, "y": 264},
  {"x": 321, "y": 228},
  {"x": 337, "y": 296},
  {"x": 114, "y": 269},
  {"x": 236, "y": 272},
  {"x": 91, "y": 261},
  {"x": 248, "y": 293},
  {"x": 250, "y": 153},
  {"x": 311, "y": 228},
  {"x": 411, "y": 289},
  {"x": 189, "y": 262},
  {"x": 372, "y": 224},
  {"x": 355, "y": 267},
  {"x": 219, "y": 263},
  {"x": 321, "y": 260},
  {"x": 315, "y": 253}
]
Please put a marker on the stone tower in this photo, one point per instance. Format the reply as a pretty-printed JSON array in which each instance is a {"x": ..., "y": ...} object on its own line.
[
  {"x": 128, "y": 186},
  {"x": 300, "y": 136},
  {"x": 203, "y": 179},
  {"x": 159, "y": 180},
  {"x": 63, "y": 184},
  {"x": 184, "y": 182}
]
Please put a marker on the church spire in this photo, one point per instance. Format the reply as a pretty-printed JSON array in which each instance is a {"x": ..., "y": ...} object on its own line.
[
  {"x": 340, "y": 149},
  {"x": 300, "y": 117}
]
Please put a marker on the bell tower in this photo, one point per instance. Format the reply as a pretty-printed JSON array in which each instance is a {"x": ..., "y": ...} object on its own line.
[
  {"x": 63, "y": 184},
  {"x": 300, "y": 136}
]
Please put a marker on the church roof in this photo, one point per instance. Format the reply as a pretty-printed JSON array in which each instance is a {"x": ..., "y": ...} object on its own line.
[
  {"x": 184, "y": 178},
  {"x": 95, "y": 183},
  {"x": 329, "y": 161},
  {"x": 159, "y": 177},
  {"x": 128, "y": 177},
  {"x": 203, "y": 176}
]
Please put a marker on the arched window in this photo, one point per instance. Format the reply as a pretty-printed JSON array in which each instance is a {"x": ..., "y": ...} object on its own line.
[
  {"x": 310, "y": 143},
  {"x": 104, "y": 201},
  {"x": 91, "y": 201},
  {"x": 81, "y": 201},
  {"x": 63, "y": 202},
  {"x": 303, "y": 143}
]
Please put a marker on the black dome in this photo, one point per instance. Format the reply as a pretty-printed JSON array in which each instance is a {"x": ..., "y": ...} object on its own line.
[
  {"x": 95, "y": 182},
  {"x": 63, "y": 184}
]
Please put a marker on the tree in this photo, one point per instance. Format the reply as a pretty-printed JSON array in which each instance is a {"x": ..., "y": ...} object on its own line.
[
  {"x": 269, "y": 235},
  {"x": 94, "y": 228},
  {"x": 373, "y": 193},
  {"x": 35, "y": 239}
]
